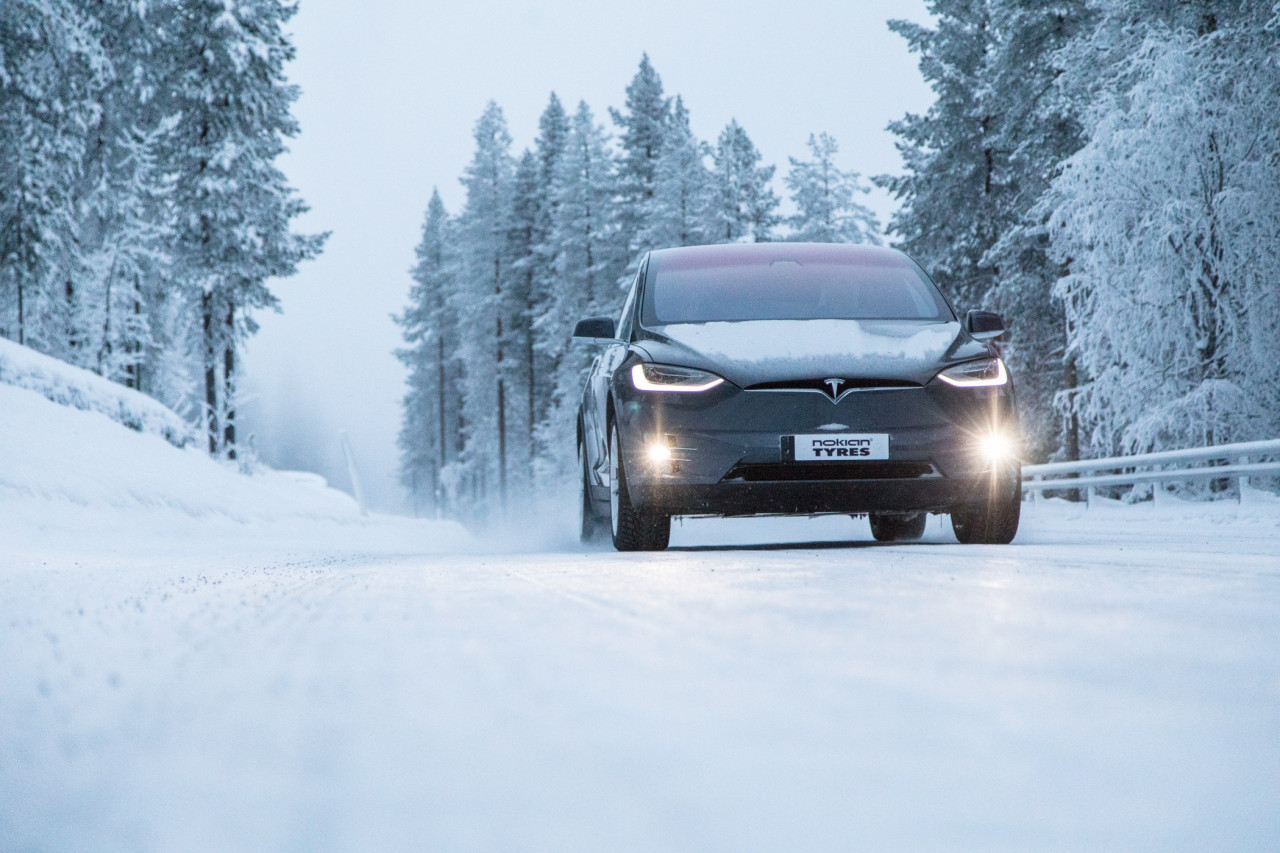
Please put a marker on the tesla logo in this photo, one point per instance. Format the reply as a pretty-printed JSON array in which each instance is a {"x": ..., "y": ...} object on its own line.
[{"x": 834, "y": 385}]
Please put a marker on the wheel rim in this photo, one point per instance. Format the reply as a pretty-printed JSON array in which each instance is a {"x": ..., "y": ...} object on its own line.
[{"x": 614, "y": 465}]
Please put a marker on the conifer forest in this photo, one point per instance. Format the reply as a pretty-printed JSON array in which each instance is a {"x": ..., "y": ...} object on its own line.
[
  {"x": 142, "y": 213},
  {"x": 1104, "y": 173}
]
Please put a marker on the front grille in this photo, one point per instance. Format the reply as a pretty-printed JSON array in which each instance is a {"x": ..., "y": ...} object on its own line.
[{"x": 756, "y": 472}]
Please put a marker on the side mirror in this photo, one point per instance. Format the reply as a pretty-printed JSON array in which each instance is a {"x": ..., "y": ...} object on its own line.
[
  {"x": 595, "y": 328},
  {"x": 984, "y": 325}
]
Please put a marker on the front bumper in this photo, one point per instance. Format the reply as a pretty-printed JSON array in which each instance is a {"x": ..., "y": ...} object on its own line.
[{"x": 729, "y": 453}]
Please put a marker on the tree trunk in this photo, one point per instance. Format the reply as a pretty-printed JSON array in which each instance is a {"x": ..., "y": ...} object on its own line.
[
  {"x": 210, "y": 372},
  {"x": 1071, "y": 429},
  {"x": 228, "y": 386},
  {"x": 443, "y": 451},
  {"x": 502, "y": 402},
  {"x": 134, "y": 370},
  {"x": 533, "y": 372},
  {"x": 73, "y": 342}
]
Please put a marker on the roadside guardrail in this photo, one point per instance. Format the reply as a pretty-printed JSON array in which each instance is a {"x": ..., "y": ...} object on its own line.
[{"x": 1170, "y": 466}]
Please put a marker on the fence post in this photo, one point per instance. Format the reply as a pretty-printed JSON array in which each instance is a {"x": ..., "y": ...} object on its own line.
[
  {"x": 1242, "y": 481},
  {"x": 1157, "y": 492}
]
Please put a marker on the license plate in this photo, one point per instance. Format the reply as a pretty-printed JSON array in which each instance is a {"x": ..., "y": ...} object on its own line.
[{"x": 841, "y": 447}]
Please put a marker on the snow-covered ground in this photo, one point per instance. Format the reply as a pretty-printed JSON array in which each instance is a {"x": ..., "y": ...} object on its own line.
[{"x": 194, "y": 660}]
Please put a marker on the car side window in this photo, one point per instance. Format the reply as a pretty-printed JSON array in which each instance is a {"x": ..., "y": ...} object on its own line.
[{"x": 624, "y": 321}]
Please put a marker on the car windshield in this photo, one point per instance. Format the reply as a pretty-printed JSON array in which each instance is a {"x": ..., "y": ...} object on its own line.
[{"x": 885, "y": 287}]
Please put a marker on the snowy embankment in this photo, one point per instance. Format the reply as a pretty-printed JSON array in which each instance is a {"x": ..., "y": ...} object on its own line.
[
  {"x": 86, "y": 465},
  {"x": 61, "y": 383}
]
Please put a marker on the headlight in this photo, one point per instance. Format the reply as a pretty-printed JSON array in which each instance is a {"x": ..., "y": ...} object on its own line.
[
  {"x": 664, "y": 377},
  {"x": 997, "y": 447},
  {"x": 976, "y": 374}
]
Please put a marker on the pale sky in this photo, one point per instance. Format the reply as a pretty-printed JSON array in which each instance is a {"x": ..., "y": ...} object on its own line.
[{"x": 390, "y": 91}]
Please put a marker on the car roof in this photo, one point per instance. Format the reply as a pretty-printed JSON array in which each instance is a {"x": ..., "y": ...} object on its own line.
[{"x": 753, "y": 254}]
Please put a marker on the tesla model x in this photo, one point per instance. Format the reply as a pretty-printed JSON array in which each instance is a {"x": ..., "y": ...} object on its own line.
[{"x": 794, "y": 379}]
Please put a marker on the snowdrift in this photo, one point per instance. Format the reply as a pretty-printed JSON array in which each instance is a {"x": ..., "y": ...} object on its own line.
[
  {"x": 70, "y": 386},
  {"x": 100, "y": 469}
]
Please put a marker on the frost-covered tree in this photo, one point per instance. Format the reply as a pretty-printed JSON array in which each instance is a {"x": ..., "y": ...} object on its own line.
[
  {"x": 122, "y": 237},
  {"x": 483, "y": 308},
  {"x": 679, "y": 212},
  {"x": 233, "y": 206},
  {"x": 1168, "y": 224},
  {"x": 825, "y": 198},
  {"x": 430, "y": 431},
  {"x": 1037, "y": 129},
  {"x": 589, "y": 263},
  {"x": 644, "y": 127},
  {"x": 745, "y": 205},
  {"x": 122, "y": 206},
  {"x": 525, "y": 300},
  {"x": 52, "y": 67},
  {"x": 949, "y": 215},
  {"x": 549, "y": 148},
  {"x": 140, "y": 208}
]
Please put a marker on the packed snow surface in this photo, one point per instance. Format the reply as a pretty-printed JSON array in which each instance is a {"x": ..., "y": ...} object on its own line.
[{"x": 195, "y": 660}]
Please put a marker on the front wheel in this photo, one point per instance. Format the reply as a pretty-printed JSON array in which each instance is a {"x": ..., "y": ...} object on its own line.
[
  {"x": 590, "y": 527},
  {"x": 633, "y": 529},
  {"x": 993, "y": 521}
]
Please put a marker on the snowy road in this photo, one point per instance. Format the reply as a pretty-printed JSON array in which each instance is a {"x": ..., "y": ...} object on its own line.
[{"x": 1108, "y": 682}]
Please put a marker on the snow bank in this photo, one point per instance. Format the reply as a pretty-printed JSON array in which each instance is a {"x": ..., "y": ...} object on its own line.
[
  {"x": 71, "y": 386},
  {"x": 72, "y": 480}
]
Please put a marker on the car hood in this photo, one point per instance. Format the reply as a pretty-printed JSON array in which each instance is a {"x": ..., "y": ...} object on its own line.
[{"x": 753, "y": 351}]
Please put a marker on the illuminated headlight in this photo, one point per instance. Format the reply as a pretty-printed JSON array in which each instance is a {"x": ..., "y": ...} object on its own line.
[
  {"x": 665, "y": 377},
  {"x": 976, "y": 374},
  {"x": 659, "y": 453},
  {"x": 997, "y": 447}
]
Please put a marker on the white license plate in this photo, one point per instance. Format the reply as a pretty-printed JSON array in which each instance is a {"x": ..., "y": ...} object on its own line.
[{"x": 842, "y": 447}]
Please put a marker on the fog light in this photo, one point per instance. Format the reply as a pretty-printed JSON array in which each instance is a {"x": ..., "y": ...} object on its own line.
[
  {"x": 659, "y": 453},
  {"x": 997, "y": 447}
]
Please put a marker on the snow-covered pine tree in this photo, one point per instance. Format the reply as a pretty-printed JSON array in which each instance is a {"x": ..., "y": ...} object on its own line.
[
  {"x": 233, "y": 206},
  {"x": 523, "y": 298},
  {"x": 644, "y": 127},
  {"x": 681, "y": 209},
  {"x": 429, "y": 433},
  {"x": 949, "y": 216},
  {"x": 482, "y": 309},
  {"x": 122, "y": 235},
  {"x": 123, "y": 226},
  {"x": 745, "y": 205},
  {"x": 1037, "y": 130},
  {"x": 589, "y": 264},
  {"x": 52, "y": 67},
  {"x": 549, "y": 148},
  {"x": 1168, "y": 222},
  {"x": 825, "y": 198}
]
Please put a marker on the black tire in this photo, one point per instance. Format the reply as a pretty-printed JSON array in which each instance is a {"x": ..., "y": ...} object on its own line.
[
  {"x": 633, "y": 529},
  {"x": 995, "y": 520},
  {"x": 897, "y": 527},
  {"x": 590, "y": 526}
]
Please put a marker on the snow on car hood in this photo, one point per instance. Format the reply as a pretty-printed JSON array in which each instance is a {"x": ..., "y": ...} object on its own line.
[{"x": 766, "y": 350}]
